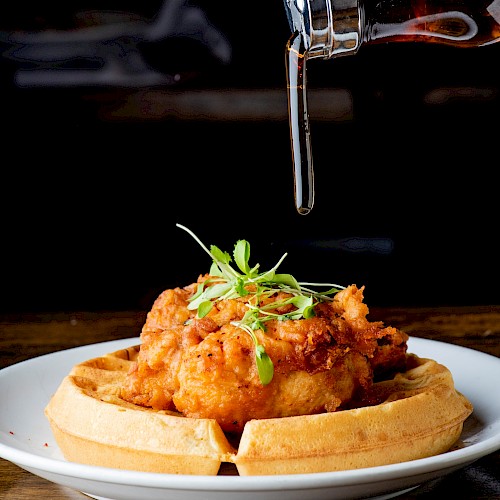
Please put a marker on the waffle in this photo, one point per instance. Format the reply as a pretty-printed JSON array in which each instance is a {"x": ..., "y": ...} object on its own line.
[{"x": 418, "y": 414}]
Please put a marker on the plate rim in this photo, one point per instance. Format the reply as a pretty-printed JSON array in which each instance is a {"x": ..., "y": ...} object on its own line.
[{"x": 452, "y": 459}]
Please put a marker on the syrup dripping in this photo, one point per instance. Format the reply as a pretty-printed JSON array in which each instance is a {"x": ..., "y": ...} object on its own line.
[{"x": 300, "y": 135}]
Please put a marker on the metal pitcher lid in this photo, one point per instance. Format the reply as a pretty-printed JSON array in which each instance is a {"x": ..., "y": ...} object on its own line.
[{"x": 326, "y": 26}]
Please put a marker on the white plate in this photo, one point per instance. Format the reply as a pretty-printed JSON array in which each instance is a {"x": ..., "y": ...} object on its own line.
[{"x": 26, "y": 439}]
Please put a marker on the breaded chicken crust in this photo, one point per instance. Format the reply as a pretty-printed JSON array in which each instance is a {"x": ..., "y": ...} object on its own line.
[{"x": 205, "y": 368}]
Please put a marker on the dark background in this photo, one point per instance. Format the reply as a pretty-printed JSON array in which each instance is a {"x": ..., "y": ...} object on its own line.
[{"x": 96, "y": 175}]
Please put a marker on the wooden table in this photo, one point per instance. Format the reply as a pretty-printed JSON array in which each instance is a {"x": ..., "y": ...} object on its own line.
[{"x": 27, "y": 336}]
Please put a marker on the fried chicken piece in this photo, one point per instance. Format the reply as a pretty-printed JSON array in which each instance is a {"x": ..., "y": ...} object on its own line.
[{"x": 205, "y": 368}]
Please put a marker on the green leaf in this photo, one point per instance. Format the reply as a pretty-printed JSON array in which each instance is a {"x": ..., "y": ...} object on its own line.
[
  {"x": 258, "y": 324},
  {"x": 204, "y": 308},
  {"x": 240, "y": 287},
  {"x": 268, "y": 276},
  {"x": 216, "y": 291},
  {"x": 286, "y": 279},
  {"x": 199, "y": 291},
  {"x": 301, "y": 302},
  {"x": 242, "y": 255},
  {"x": 265, "y": 365},
  {"x": 193, "y": 304},
  {"x": 219, "y": 255},
  {"x": 308, "y": 312},
  {"x": 211, "y": 292},
  {"x": 215, "y": 270}
]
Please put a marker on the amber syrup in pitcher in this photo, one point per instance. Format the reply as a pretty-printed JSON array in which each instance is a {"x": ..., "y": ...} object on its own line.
[{"x": 332, "y": 28}]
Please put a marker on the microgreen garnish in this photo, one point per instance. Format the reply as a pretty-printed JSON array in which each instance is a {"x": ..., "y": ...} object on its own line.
[{"x": 227, "y": 283}]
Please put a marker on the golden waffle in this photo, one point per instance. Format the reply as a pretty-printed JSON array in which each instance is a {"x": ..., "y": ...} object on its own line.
[{"x": 421, "y": 415}]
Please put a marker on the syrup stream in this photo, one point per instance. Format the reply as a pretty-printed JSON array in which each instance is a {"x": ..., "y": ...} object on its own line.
[{"x": 300, "y": 136}]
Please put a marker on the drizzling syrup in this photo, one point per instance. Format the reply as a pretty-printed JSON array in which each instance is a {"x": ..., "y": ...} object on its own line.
[{"x": 300, "y": 135}]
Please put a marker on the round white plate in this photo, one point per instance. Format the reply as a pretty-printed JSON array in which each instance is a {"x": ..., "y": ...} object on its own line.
[{"x": 26, "y": 439}]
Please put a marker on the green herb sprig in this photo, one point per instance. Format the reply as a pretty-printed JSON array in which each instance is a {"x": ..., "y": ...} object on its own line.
[{"x": 228, "y": 283}]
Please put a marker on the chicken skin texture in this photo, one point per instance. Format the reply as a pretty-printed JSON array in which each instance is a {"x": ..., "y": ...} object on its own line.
[{"x": 205, "y": 368}]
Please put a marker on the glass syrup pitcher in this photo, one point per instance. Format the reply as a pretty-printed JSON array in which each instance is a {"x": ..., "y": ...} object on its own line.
[{"x": 332, "y": 28}]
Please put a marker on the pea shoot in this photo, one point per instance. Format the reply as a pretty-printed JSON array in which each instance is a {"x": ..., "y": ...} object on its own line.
[{"x": 225, "y": 282}]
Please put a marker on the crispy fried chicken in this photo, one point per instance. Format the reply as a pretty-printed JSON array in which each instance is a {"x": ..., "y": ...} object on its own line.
[{"x": 205, "y": 368}]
